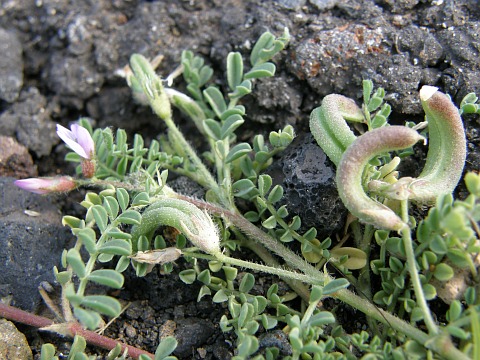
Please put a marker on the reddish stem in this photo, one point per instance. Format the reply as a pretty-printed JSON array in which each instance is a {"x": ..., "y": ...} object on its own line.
[{"x": 72, "y": 329}]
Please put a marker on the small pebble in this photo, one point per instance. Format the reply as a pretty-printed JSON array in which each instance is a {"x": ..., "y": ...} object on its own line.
[{"x": 130, "y": 331}]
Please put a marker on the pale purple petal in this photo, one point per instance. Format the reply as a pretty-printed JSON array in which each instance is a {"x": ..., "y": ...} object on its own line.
[
  {"x": 70, "y": 138},
  {"x": 84, "y": 139},
  {"x": 64, "y": 133},
  {"x": 35, "y": 185}
]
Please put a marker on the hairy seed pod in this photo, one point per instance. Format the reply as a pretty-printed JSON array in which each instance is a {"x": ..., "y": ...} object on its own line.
[
  {"x": 352, "y": 164},
  {"x": 328, "y": 126},
  {"x": 447, "y": 147},
  {"x": 196, "y": 224}
]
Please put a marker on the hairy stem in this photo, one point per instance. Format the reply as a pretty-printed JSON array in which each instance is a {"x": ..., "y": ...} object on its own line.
[
  {"x": 413, "y": 271},
  {"x": 300, "y": 288},
  {"x": 363, "y": 284},
  {"x": 282, "y": 272},
  {"x": 208, "y": 180}
]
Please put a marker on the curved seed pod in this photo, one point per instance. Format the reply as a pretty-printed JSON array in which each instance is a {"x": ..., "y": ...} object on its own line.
[
  {"x": 196, "y": 224},
  {"x": 352, "y": 164},
  {"x": 447, "y": 147},
  {"x": 328, "y": 126}
]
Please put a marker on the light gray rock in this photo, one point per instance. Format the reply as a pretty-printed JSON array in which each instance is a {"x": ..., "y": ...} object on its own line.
[
  {"x": 29, "y": 121},
  {"x": 11, "y": 66},
  {"x": 291, "y": 4},
  {"x": 323, "y": 5},
  {"x": 13, "y": 344}
]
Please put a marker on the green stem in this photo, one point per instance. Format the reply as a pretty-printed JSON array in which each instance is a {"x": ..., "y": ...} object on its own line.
[
  {"x": 90, "y": 265},
  {"x": 268, "y": 258},
  {"x": 232, "y": 103},
  {"x": 309, "y": 312},
  {"x": 259, "y": 267},
  {"x": 441, "y": 344},
  {"x": 66, "y": 308},
  {"x": 363, "y": 284},
  {"x": 224, "y": 176},
  {"x": 364, "y": 245},
  {"x": 208, "y": 180},
  {"x": 195, "y": 176},
  {"x": 413, "y": 271},
  {"x": 178, "y": 136},
  {"x": 109, "y": 171}
]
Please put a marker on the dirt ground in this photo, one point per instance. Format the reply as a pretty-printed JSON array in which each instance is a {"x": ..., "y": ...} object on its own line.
[{"x": 60, "y": 60}]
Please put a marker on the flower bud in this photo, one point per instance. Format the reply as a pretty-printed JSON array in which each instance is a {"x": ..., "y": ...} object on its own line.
[
  {"x": 47, "y": 185},
  {"x": 152, "y": 86}
]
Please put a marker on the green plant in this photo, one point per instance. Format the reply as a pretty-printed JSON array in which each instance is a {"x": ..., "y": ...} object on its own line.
[{"x": 134, "y": 200}]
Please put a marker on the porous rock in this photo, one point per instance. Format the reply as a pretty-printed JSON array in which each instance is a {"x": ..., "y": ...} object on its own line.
[
  {"x": 308, "y": 178},
  {"x": 278, "y": 339},
  {"x": 323, "y": 5}
]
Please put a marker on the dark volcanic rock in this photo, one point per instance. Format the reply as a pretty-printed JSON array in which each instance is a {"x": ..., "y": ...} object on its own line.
[
  {"x": 308, "y": 178},
  {"x": 191, "y": 334},
  {"x": 32, "y": 244}
]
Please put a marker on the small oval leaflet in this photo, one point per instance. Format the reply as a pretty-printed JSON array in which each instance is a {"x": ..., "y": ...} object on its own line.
[
  {"x": 107, "y": 277},
  {"x": 116, "y": 247},
  {"x": 130, "y": 217},
  {"x": 102, "y": 304},
  {"x": 88, "y": 318}
]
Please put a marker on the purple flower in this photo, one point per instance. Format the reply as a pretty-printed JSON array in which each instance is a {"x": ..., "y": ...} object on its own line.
[
  {"x": 47, "y": 185},
  {"x": 78, "y": 139}
]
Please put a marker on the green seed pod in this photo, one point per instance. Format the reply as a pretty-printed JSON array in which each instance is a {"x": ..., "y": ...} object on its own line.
[
  {"x": 350, "y": 170},
  {"x": 196, "y": 224},
  {"x": 447, "y": 147},
  {"x": 328, "y": 126}
]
